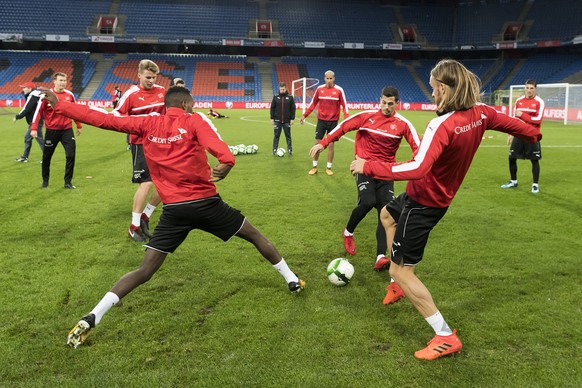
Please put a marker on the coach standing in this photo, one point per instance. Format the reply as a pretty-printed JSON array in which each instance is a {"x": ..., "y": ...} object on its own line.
[
  {"x": 58, "y": 129},
  {"x": 282, "y": 117},
  {"x": 32, "y": 97}
]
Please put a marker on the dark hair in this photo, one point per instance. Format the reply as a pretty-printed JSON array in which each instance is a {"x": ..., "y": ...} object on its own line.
[
  {"x": 532, "y": 82},
  {"x": 391, "y": 91},
  {"x": 176, "y": 95},
  {"x": 282, "y": 85}
]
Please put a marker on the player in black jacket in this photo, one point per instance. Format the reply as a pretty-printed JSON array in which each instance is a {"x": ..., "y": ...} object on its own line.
[
  {"x": 31, "y": 96},
  {"x": 282, "y": 117}
]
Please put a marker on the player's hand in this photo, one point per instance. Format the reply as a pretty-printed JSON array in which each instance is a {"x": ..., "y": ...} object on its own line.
[
  {"x": 49, "y": 96},
  {"x": 220, "y": 172},
  {"x": 357, "y": 166},
  {"x": 517, "y": 113},
  {"x": 509, "y": 139},
  {"x": 34, "y": 134},
  {"x": 316, "y": 149},
  {"x": 79, "y": 131},
  {"x": 301, "y": 120}
]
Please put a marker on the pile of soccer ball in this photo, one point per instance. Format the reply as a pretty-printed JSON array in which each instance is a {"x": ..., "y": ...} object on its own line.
[
  {"x": 340, "y": 272},
  {"x": 242, "y": 149}
]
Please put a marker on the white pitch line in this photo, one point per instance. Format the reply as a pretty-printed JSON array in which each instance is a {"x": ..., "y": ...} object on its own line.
[{"x": 251, "y": 118}]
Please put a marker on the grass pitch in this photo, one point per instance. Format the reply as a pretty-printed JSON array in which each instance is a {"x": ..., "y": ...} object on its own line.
[{"x": 503, "y": 267}]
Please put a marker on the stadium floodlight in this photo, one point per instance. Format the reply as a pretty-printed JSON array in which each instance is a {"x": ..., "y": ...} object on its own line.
[
  {"x": 303, "y": 90},
  {"x": 563, "y": 102}
]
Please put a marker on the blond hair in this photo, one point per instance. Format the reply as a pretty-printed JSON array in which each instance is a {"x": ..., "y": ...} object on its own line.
[
  {"x": 462, "y": 85},
  {"x": 146, "y": 64}
]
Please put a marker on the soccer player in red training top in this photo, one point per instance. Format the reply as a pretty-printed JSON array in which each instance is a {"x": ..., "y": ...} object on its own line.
[
  {"x": 143, "y": 98},
  {"x": 529, "y": 108},
  {"x": 176, "y": 144},
  {"x": 379, "y": 135},
  {"x": 329, "y": 100},
  {"x": 435, "y": 174},
  {"x": 58, "y": 129}
]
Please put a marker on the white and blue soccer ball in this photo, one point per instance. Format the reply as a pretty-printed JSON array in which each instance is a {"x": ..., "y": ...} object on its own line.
[
  {"x": 234, "y": 150},
  {"x": 340, "y": 272},
  {"x": 242, "y": 149},
  {"x": 281, "y": 152}
]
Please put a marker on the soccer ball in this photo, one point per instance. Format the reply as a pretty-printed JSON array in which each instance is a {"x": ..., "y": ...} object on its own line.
[
  {"x": 242, "y": 149},
  {"x": 234, "y": 150},
  {"x": 340, "y": 272},
  {"x": 281, "y": 152}
]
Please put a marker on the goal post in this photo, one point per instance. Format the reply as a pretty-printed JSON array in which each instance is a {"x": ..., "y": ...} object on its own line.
[
  {"x": 303, "y": 90},
  {"x": 563, "y": 102}
]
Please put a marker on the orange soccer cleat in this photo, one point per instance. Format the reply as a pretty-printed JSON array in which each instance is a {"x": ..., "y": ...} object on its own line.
[
  {"x": 440, "y": 346},
  {"x": 394, "y": 293}
]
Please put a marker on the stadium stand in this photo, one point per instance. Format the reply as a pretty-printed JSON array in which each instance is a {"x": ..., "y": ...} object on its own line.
[
  {"x": 543, "y": 68},
  {"x": 353, "y": 21},
  {"x": 54, "y": 17},
  {"x": 209, "y": 77},
  {"x": 481, "y": 23},
  {"x": 433, "y": 23},
  {"x": 185, "y": 18},
  {"x": 557, "y": 19},
  {"x": 362, "y": 80},
  {"x": 18, "y": 67},
  {"x": 449, "y": 24}
]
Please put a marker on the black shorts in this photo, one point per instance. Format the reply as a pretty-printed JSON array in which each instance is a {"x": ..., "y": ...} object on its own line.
[
  {"x": 211, "y": 215},
  {"x": 374, "y": 191},
  {"x": 324, "y": 127},
  {"x": 521, "y": 149},
  {"x": 141, "y": 172},
  {"x": 415, "y": 222}
]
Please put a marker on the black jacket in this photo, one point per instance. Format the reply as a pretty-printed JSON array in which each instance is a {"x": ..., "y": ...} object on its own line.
[
  {"x": 283, "y": 108},
  {"x": 30, "y": 106}
]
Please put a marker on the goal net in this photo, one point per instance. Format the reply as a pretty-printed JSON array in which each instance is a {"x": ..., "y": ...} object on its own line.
[
  {"x": 563, "y": 102},
  {"x": 303, "y": 90}
]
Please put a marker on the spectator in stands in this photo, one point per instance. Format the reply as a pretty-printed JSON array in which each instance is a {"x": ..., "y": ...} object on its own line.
[
  {"x": 329, "y": 100},
  {"x": 434, "y": 175},
  {"x": 143, "y": 98},
  {"x": 178, "y": 82},
  {"x": 215, "y": 115},
  {"x": 529, "y": 108},
  {"x": 378, "y": 137},
  {"x": 59, "y": 129},
  {"x": 282, "y": 117},
  {"x": 116, "y": 96},
  {"x": 32, "y": 97}
]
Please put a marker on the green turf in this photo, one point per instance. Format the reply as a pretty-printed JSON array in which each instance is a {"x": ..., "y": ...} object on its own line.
[{"x": 503, "y": 267}]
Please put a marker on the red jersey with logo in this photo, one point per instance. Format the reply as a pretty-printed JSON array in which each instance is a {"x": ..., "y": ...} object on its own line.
[
  {"x": 532, "y": 109},
  {"x": 139, "y": 101},
  {"x": 378, "y": 136},
  {"x": 53, "y": 120},
  {"x": 446, "y": 152},
  {"x": 174, "y": 145},
  {"x": 329, "y": 102}
]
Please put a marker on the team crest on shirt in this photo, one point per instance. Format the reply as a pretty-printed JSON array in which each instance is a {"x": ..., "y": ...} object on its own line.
[
  {"x": 160, "y": 95},
  {"x": 182, "y": 130},
  {"x": 393, "y": 127}
]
